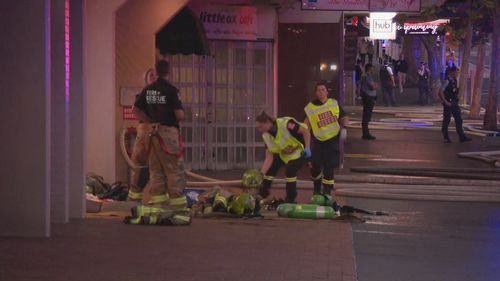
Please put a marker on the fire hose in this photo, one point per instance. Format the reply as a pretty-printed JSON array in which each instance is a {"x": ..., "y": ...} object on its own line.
[{"x": 466, "y": 189}]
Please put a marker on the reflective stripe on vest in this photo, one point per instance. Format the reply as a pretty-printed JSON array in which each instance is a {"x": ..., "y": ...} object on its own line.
[
  {"x": 324, "y": 119},
  {"x": 288, "y": 147}
]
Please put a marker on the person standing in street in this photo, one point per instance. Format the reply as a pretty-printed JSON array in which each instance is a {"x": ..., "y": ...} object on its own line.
[
  {"x": 423, "y": 83},
  {"x": 369, "y": 96},
  {"x": 326, "y": 119},
  {"x": 159, "y": 106},
  {"x": 387, "y": 82},
  {"x": 449, "y": 97},
  {"x": 139, "y": 152},
  {"x": 401, "y": 68},
  {"x": 288, "y": 143}
]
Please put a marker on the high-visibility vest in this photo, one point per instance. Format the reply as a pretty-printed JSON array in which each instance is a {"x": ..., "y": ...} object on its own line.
[
  {"x": 324, "y": 119},
  {"x": 284, "y": 144}
]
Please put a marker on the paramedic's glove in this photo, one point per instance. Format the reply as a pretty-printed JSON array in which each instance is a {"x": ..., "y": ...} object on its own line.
[{"x": 307, "y": 153}]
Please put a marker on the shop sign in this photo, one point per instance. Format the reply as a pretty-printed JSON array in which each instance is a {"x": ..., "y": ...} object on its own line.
[
  {"x": 395, "y": 5},
  {"x": 422, "y": 28},
  {"x": 381, "y": 26},
  {"x": 363, "y": 5},
  {"x": 229, "y": 22}
]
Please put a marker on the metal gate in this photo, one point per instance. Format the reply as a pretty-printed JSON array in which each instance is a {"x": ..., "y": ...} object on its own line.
[{"x": 222, "y": 94}]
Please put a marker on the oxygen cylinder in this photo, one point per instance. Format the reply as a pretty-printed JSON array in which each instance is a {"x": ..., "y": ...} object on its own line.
[
  {"x": 306, "y": 211},
  {"x": 318, "y": 199},
  {"x": 322, "y": 200},
  {"x": 285, "y": 209}
]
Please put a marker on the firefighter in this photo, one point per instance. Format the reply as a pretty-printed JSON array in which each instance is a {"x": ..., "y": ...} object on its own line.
[
  {"x": 139, "y": 155},
  {"x": 287, "y": 144},
  {"x": 159, "y": 106},
  {"x": 326, "y": 118}
]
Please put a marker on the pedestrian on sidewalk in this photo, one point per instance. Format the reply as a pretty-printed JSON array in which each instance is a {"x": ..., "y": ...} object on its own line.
[
  {"x": 388, "y": 84},
  {"x": 326, "y": 119},
  {"x": 369, "y": 95},
  {"x": 370, "y": 51},
  {"x": 401, "y": 68},
  {"x": 449, "y": 96},
  {"x": 139, "y": 152},
  {"x": 159, "y": 106},
  {"x": 357, "y": 76},
  {"x": 423, "y": 83},
  {"x": 363, "y": 49},
  {"x": 288, "y": 143}
]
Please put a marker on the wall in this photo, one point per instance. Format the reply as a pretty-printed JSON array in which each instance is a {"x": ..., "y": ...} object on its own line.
[
  {"x": 25, "y": 112},
  {"x": 315, "y": 36},
  {"x": 296, "y": 15},
  {"x": 299, "y": 67},
  {"x": 77, "y": 115},
  {"x": 136, "y": 25},
  {"x": 99, "y": 86}
]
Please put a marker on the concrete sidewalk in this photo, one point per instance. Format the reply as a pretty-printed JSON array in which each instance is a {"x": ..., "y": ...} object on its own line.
[
  {"x": 103, "y": 248},
  {"x": 210, "y": 249}
]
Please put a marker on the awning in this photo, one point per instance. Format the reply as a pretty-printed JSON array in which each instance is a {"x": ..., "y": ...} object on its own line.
[{"x": 184, "y": 34}]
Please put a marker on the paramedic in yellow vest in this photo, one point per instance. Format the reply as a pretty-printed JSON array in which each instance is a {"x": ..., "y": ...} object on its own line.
[
  {"x": 287, "y": 144},
  {"x": 159, "y": 106},
  {"x": 139, "y": 156},
  {"x": 325, "y": 118}
]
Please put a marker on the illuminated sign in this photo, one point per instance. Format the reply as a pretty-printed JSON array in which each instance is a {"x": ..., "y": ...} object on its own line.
[
  {"x": 381, "y": 26},
  {"x": 363, "y": 5},
  {"x": 423, "y": 28},
  {"x": 229, "y": 22}
]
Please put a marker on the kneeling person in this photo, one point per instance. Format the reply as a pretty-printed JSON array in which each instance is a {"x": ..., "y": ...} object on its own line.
[{"x": 287, "y": 144}]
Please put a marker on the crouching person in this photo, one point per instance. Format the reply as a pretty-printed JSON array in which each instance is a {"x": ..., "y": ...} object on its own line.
[{"x": 287, "y": 144}]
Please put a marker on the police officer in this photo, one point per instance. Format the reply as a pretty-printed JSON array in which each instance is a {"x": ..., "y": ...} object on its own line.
[
  {"x": 159, "y": 105},
  {"x": 449, "y": 96},
  {"x": 323, "y": 116},
  {"x": 287, "y": 144},
  {"x": 139, "y": 156},
  {"x": 423, "y": 83}
]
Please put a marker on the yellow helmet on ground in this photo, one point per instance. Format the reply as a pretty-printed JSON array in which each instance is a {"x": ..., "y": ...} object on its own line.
[{"x": 252, "y": 178}]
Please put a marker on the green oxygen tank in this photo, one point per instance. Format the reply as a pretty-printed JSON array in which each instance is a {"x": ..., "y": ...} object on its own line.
[
  {"x": 322, "y": 200},
  {"x": 306, "y": 211},
  {"x": 285, "y": 209}
]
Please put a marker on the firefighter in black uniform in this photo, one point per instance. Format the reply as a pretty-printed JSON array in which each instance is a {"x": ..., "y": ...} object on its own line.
[{"x": 449, "y": 96}]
